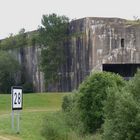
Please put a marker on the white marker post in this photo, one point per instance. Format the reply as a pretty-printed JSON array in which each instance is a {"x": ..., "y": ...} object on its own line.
[{"x": 17, "y": 101}]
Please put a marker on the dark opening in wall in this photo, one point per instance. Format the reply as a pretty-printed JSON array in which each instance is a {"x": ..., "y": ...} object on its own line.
[
  {"x": 125, "y": 70},
  {"x": 122, "y": 42}
]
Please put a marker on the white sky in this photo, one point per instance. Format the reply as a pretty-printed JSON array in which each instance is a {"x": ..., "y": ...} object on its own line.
[{"x": 17, "y": 14}]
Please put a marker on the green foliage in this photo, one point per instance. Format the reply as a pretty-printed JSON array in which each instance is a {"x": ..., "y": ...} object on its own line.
[
  {"x": 55, "y": 127},
  {"x": 93, "y": 95},
  {"x": 84, "y": 110},
  {"x": 122, "y": 112},
  {"x": 27, "y": 87},
  {"x": 16, "y": 41},
  {"x": 122, "y": 117},
  {"x": 8, "y": 70},
  {"x": 52, "y": 37},
  {"x": 68, "y": 102},
  {"x": 72, "y": 112},
  {"x": 134, "y": 86},
  {"x": 7, "y": 43},
  {"x": 20, "y": 40},
  {"x": 33, "y": 38}
]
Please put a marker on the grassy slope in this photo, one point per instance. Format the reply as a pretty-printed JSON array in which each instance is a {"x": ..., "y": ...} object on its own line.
[
  {"x": 50, "y": 101},
  {"x": 35, "y": 108}
]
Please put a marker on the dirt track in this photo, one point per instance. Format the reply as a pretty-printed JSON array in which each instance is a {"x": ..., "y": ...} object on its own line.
[{"x": 4, "y": 138}]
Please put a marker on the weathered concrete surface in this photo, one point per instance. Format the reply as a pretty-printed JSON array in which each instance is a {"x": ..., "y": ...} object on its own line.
[
  {"x": 92, "y": 42},
  {"x": 31, "y": 67},
  {"x": 30, "y": 74},
  {"x": 96, "y": 41}
]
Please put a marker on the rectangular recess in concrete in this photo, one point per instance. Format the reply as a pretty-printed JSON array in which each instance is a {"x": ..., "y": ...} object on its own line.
[{"x": 125, "y": 70}]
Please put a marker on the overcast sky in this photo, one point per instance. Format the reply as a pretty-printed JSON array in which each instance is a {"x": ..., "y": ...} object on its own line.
[{"x": 17, "y": 14}]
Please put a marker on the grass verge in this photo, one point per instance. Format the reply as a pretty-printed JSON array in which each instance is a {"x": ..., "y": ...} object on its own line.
[{"x": 35, "y": 108}]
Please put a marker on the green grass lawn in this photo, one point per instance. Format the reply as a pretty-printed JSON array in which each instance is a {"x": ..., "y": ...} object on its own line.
[
  {"x": 35, "y": 108},
  {"x": 51, "y": 101}
]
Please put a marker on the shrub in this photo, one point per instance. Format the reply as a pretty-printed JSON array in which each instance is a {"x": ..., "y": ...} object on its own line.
[
  {"x": 55, "y": 128},
  {"x": 93, "y": 94},
  {"x": 134, "y": 86},
  {"x": 67, "y": 103},
  {"x": 122, "y": 117},
  {"x": 122, "y": 112},
  {"x": 72, "y": 113}
]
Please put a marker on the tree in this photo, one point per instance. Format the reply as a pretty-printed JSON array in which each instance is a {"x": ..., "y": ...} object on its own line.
[
  {"x": 21, "y": 39},
  {"x": 52, "y": 36},
  {"x": 14, "y": 41},
  {"x": 8, "y": 43},
  {"x": 93, "y": 93},
  {"x": 8, "y": 69}
]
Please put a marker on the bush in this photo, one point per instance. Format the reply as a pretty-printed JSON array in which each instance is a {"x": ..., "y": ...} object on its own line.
[
  {"x": 122, "y": 117},
  {"x": 72, "y": 113},
  {"x": 55, "y": 127},
  {"x": 122, "y": 112},
  {"x": 134, "y": 86},
  {"x": 67, "y": 103},
  {"x": 93, "y": 93}
]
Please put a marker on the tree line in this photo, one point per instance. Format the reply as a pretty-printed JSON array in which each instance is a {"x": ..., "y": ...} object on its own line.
[{"x": 50, "y": 36}]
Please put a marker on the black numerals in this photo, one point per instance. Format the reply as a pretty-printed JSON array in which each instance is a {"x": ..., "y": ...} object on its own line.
[{"x": 17, "y": 98}]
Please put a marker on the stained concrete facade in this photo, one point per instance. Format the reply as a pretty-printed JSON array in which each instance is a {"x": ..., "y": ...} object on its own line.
[
  {"x": 101, "y": 41},
  {"x": 92, "y": 43}
]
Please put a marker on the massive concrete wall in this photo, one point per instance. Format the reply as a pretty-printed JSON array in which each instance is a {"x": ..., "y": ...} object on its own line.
[
  {"x": 92, "y": 42},
  {"x": 30, "y": 73},
  {"x": 97, "y": 41},
  {"x": 30, "y": 57}
]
